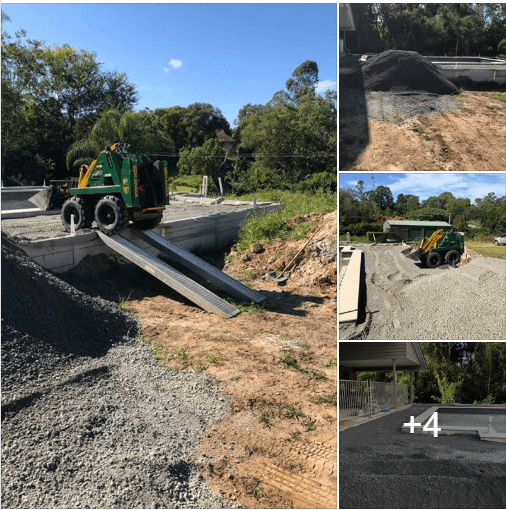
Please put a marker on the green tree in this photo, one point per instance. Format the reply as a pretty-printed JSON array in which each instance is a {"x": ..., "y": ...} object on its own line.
[
  {"x": 303, "y": 81},
  {"x": 137, "y": 129},
  {"x": 60, "y": 92}
]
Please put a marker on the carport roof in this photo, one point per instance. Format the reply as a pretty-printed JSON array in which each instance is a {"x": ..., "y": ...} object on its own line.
[{"x": 362, "y": 356}]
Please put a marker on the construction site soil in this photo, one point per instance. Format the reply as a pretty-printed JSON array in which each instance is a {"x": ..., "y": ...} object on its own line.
[
  {"x": 403, "y": 300},
  {"x": 397, "y": 112},
  {"x": 197, "y": 411},
  {"x": 382, "y": 467}
]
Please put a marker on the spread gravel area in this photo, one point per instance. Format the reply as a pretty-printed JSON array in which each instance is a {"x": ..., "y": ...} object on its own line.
[
  {"x": 403, "y": 300},
  {"x": 397, "y": 107},
  {"x": 382, "y": 467},
  {"x": 89, "y": 417}
]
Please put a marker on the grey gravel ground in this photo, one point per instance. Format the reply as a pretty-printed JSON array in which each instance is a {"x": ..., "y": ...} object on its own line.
[
  {"x": 48, "y": 226},
  {"x": 89, "y": 418},
  {"x": 397, "y": 107},
  {"x": 382, "y": 467},
  {"x": 403, "y": 300}
]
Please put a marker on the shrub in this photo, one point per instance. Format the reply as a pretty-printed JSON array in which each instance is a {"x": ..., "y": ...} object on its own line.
[{"x": 379, "y": 237}]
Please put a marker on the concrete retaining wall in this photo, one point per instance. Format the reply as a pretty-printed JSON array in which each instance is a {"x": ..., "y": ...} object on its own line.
[
  {"x": 476, "y": 73},
  {"x": 212, "y": 232}
]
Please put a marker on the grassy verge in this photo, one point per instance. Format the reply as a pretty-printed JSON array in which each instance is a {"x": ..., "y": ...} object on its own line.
[
  {"x": 487, "y": 248},
  {"x": 272, "y": 226},
  {"x": 356, "y": 239}
]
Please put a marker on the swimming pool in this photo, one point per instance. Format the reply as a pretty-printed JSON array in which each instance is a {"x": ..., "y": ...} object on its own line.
[{"x": 488, "y": 421}]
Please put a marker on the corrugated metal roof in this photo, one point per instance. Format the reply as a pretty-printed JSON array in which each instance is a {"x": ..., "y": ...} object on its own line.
[{"x": 405, "y": 223}]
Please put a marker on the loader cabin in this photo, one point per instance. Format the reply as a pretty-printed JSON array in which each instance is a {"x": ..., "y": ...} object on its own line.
[{"x": 412, "y": 230}]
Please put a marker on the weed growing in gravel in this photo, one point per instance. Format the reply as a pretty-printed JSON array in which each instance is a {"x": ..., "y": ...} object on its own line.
[
  {"x": 295, "y": 434},
  {"x": 203, "y": 335},
  {"x": 156, "y": 387},
  {"x": 332, "y": 363},
  {"x": 501, "y": 95},
  {"x": 124, "y": 304}
]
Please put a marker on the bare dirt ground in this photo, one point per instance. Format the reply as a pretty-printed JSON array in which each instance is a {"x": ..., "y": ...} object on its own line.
[
  {"x": 277, "y": 448},
  {"x": 403, "y": 300},
  {"x": 470, "y": 138}
]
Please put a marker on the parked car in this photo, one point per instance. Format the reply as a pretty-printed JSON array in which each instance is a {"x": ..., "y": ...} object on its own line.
[{"x": 500, "y": 240}]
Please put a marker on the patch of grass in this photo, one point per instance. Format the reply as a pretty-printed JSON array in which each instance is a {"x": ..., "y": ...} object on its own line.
[
  {"x": 295, "y": 434},
  {"x": 501, "y": 95},
  {"x": 200, "y": 366},
  {"x": 250, "y": 274},
  {"x": 487, "y": 248},
  {"x": 328, "y": 399},
  {"x": 203, "y": 335},
  {"x": 215, "y": 358},
  {"x": 291, "y": 412},
  {"x": 332, "y": 363},
  {"x": 266, "y": 419},
  {"x": 124, "y": 304},
  {"x": 418, "y": 129},
  {"x": 309, "y": 424},
  {"x": 356, "y": 239},
  {"x": 274, "y": 225},
  {"x": 247, "y": 306}
]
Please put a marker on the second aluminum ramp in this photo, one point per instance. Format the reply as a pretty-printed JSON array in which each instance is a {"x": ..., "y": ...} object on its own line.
[
  {"x": 200, "y": 267},
  {"x": 168, "y": 275}
]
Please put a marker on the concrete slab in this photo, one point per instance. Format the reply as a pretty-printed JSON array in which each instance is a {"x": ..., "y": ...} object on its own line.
[{"x": 349, "y": 289}]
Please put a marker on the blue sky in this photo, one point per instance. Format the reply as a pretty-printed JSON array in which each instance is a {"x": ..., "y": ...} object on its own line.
[
  {"x": 425, "y": 185},
  {"x": 227, "y": 55}
]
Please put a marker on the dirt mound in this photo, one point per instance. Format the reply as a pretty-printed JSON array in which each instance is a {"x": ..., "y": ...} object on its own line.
[
  {"x": 46, "y": 322},
  {"x": 314, "y": 266},
  {"x": 404, "y": 71}
]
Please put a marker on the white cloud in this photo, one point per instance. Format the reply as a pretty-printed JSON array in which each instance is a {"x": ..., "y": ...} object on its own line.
[
  {"x": 175, "y": 63},
  {"x": 460, "y": 185},
  {"x": 325, "y": 85}
]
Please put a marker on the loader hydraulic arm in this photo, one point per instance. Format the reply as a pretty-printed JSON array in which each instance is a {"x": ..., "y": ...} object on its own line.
[{"x": 432, "y": 242}]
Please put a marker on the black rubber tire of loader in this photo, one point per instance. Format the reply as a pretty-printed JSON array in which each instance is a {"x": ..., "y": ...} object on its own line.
[
  {"x": 452, "y": 257},
  {"x": 111, "y": 215},
  {"x": 82, "y": 211},
  {"x": 148, "y": 224},
  {"x": 433, "y": 259}
]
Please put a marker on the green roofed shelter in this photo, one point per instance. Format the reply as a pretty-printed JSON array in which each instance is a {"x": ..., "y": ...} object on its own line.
[{"x": 406, "y": 229}]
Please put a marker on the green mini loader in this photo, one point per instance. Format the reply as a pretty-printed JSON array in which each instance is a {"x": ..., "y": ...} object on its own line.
[
  {"x": 118, "y": 187},
  {"x": 442, "y": 247}
]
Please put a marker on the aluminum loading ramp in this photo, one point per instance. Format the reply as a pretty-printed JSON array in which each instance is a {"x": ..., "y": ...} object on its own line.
[
  {"x": 199, "y": 266},
  {"x": 168, "y": 275}
]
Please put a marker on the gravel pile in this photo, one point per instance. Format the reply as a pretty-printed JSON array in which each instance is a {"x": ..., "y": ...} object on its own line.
[
  {"x": 404, "y": 71},
  {"x": 89, "y": 418}
]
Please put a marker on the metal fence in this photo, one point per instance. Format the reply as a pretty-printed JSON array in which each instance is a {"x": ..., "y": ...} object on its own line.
[{"x": 362, "y": 398}]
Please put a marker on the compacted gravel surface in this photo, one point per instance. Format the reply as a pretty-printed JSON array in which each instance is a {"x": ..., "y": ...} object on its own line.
[
  {"x": 49, "y": 226},
  {"x": 382, "y": 467},
  {"x": 89, "y": 417}
]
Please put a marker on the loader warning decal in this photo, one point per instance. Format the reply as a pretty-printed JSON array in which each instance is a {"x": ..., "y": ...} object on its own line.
[{"x": 136, "y": 186}]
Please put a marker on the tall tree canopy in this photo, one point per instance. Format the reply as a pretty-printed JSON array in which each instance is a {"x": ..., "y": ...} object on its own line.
[{"x": 55, "y": 94}]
